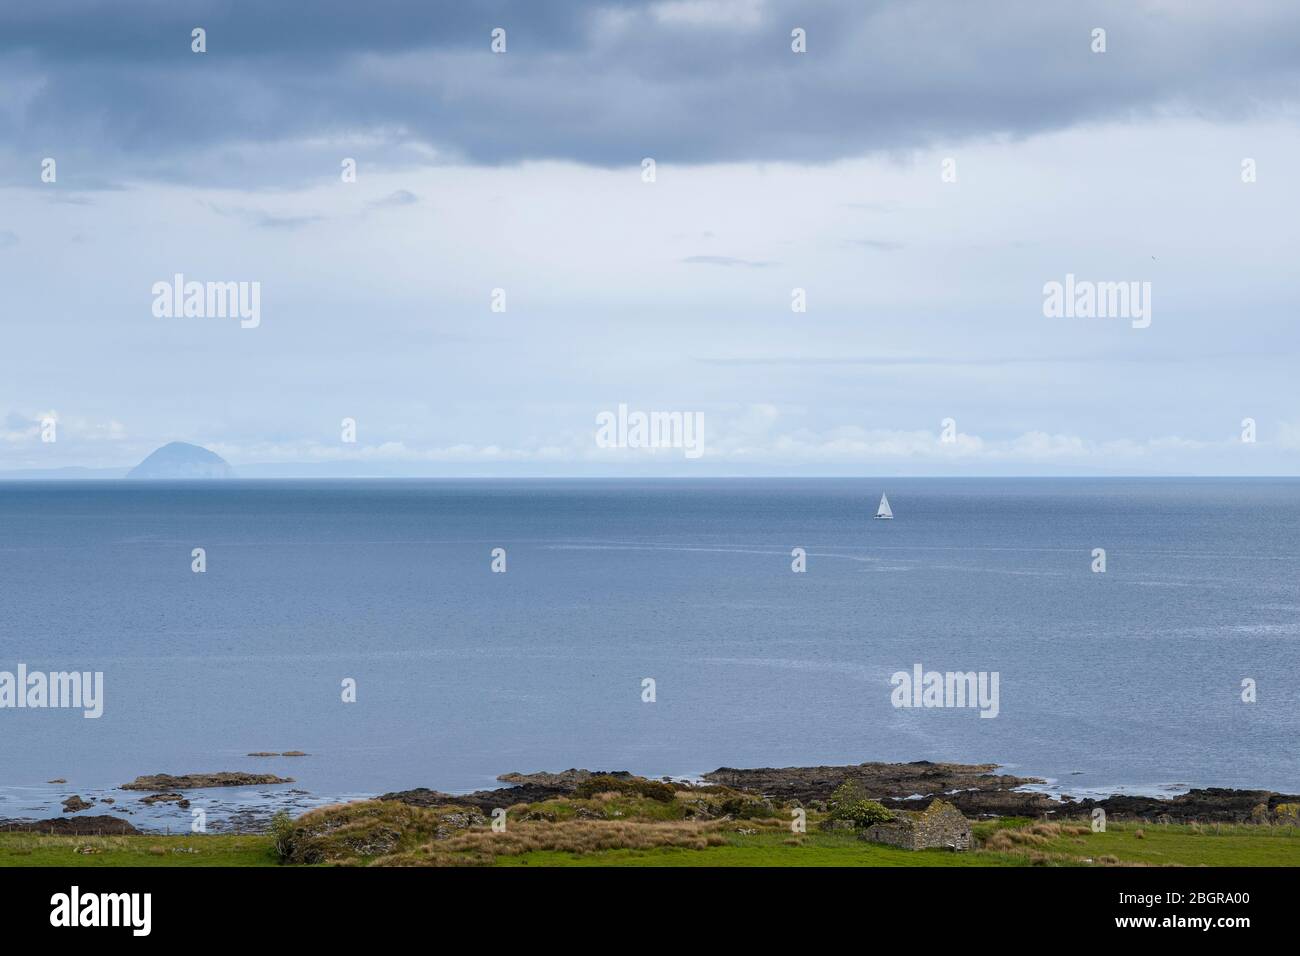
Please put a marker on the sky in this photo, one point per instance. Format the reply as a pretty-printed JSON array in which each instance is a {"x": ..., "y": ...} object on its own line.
[{"x": 922, "y": 172}]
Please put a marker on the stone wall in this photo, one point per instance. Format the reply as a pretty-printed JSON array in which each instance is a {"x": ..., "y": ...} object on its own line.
[{"x": 938, "y": 825}]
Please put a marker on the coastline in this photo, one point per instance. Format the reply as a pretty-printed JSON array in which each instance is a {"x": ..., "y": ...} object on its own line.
[{"x": 981, "y": 791}]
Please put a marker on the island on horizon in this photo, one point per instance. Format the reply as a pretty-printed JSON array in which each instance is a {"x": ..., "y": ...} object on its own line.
[{"x": 179, "y": 460}]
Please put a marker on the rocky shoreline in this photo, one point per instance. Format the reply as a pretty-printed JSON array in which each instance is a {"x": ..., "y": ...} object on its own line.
[
  {"x": 162, "y": 791},
  {"x": 977, "y": 790}
]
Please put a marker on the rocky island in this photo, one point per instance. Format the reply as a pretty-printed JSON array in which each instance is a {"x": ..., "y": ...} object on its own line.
[{"x": 180, "y": 460}]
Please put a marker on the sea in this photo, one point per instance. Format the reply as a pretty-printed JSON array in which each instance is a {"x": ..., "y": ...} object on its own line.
[{"x": 656, "y": 626}]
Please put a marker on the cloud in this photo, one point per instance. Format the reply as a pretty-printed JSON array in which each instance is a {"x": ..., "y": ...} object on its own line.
[
  {"x": 758, "y": 434},
  {"x": 24, "y": 428},
  {"x": 261, "y": 219},
  {"x": 724, "y": 261},
  {"x": 1288, "y": 436},
  {"x": 19, "y": 428},
  {"x": 284, "y": 222},
  {"x": 70, "y": 199},
  {"x": 399, "y": 197},
  {"x": 879, "y": 245},
  {"x": 688, "y": 81},
  {"x": 928, "y": 361},
  {"x": 743, "y": 13}
]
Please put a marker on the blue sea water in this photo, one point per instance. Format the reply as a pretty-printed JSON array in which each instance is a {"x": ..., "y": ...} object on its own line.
[{"x": 1131, "y": 678}]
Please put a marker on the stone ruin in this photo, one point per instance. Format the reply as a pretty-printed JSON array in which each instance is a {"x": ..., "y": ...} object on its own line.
[{"x": 940, "y": 825}]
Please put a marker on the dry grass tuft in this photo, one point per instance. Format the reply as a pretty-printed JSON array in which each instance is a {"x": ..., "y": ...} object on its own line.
[
  {"x": 481, "y": 847},
  {"x": 1037, "y": 834}
]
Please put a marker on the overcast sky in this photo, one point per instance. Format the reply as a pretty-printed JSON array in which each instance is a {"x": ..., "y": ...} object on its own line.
[{"x": 774, "y": 170}]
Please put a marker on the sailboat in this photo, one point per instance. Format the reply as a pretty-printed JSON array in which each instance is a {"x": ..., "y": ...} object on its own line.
[{"x": 883, "y": 511}]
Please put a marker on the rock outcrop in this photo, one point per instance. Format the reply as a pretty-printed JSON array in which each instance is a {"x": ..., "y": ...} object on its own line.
[
  {"x": 529, "y": 788},
  {"x": 277, "y": 753},
  {"x": 1211, "y": 805},
  {"x": 162, "y": 782},
  {"x": 879, "y": 781},
  {"x": 72, "y": 826},
  {"x": 564, "y": 780},
  {"x": 75, "y": 804},
  {"x": 483, "y": 800},
  {"x": 176, "y": 798}
]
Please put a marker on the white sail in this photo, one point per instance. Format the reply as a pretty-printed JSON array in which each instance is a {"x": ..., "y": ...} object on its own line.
[{"x": 883, "y": 511}]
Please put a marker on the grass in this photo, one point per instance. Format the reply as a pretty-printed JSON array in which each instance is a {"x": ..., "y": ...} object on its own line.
[
  {"x": 28, "y": 849},
  {"x": 765, "y": 848},
  {"x": 1172, "y": 845},
  {"x": 619, "y": 829},
  {"x": 1160, "y": 844}
]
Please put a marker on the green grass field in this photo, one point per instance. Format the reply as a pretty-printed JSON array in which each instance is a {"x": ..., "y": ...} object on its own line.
[
  {"x": 26, "y": 849},
  {"x": 763, "y": 849},
  {"x": 1243, "y": 845},
  {"x": 1158, "y": 846}
]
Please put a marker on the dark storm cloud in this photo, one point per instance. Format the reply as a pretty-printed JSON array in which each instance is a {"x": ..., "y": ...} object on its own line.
[{"x": 114, "y": 84}]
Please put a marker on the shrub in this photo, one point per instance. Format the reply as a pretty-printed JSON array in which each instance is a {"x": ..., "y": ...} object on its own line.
[
  {"x": 849, "y": 803},
  {"x": 282, "y": 835},
  {"x": 713, "y": 802},
  {"x": 745, "y": 806},
  {"x": 650, "y": 789}
]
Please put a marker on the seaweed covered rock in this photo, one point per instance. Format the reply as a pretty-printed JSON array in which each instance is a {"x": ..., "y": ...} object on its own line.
[
  {"x": 75, "y": 804},
  {"x": 163, "y": 782}
]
